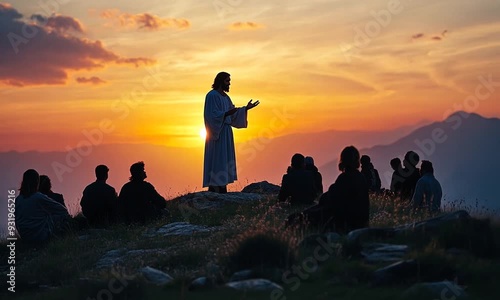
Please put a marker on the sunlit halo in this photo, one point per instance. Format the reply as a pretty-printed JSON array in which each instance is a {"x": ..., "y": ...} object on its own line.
[{"x": 203, "y": 133}]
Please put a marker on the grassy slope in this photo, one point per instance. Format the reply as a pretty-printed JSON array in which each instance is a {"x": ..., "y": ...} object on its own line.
[{"x": 64, "y": 262}]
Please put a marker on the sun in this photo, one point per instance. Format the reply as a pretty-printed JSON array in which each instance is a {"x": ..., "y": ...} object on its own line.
[{"x": 203, "y": 133}]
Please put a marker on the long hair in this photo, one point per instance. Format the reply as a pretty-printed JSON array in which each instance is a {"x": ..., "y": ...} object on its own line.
[
  {"x": 29, "y": 185},
  {"x": 219, "y": 79},
  {"x": 349, "y": 159},
  {"x": 45, "y": 185}
]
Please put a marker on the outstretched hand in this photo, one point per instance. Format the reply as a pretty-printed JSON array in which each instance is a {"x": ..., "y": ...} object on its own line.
[{"x": 251, "y": 105}]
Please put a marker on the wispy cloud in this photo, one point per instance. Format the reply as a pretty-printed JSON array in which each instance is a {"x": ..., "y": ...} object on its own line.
[
  {"x": 50, "y": 51},
  {"x": 245, "y": 26},
  {"x": 143, "y": 20},
  {"x": 59, "y": 23},
  {"x": 434, "y": 37},
  {"x": 417, "y": 36},
  {"x": 91, "y": 80}
]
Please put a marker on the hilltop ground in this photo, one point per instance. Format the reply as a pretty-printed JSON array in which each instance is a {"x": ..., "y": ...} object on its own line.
[{"x": 246, "y": 232}]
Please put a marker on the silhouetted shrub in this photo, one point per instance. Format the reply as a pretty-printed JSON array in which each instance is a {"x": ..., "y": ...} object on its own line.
[{"x": 259, "y": 250}]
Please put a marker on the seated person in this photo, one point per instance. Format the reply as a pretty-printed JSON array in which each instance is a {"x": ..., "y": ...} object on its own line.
[
  {"x": 297, "y": 186},
  {"x": 38, "y": 217},
  {"x": 46, "y": 189},
  {"x": 139, "y": 199},
  {"x": 99, "y": 201},
  {"x": 346, "y": 205},
  {"x": 371, "y": 174},
  {"x": 397, "y": 178},
  {"x": 318, "y": 179},
  {"x": 428, "y": 191},
  {"x": 410, "y": 174}
]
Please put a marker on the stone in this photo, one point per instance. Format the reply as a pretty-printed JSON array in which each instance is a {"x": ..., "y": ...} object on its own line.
[
  {"x": 193, "y": 203},
  {"x": 434, "y": 223},
  {"x": 380, "y": 252},
  {"x": 117, "y": 256},
  {"x": 111, "y": 258},
  {"x": 262, "y": 187},
  {"x": 242, "y": 275},
  {"x": 155, "y": 276},
  {"x": 254, "y": 285},
  {"x": 181, "y": 228},
  {"x": 435, "y": 290},
  {"x": 200, "y": 283}
]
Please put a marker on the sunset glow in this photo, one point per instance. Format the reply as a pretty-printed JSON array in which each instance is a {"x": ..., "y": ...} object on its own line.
[{"x": 144, "y": 69}]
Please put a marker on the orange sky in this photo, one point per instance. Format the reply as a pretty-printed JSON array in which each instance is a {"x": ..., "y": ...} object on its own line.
[{"x": 128, "y": 71}]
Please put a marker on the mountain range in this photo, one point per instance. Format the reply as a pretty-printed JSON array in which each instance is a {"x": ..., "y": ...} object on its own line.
[{"x": 463, "y": 149}]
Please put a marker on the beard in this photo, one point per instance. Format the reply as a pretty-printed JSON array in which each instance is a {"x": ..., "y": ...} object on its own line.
[{"x": 225, "y": 87}]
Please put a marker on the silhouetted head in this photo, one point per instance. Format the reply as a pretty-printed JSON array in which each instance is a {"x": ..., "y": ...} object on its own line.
[
  {"x": 411, "y": 159},
  {"x": 308, "y": 161},
  {"x": 101, "y": 172},
  {"x": 365, "y": 160},
  {"x": 222, "y": 81},
  {"x": 349, "y": 159},
  {"x": 426, "y": 167},
  {"x": 297, "y": 161},
  {"x": 395, "y": 163},
  {"x": 137, "y": 171},
  {"x": 30, "y": 183},
  {"x": 45, "y": 184}
]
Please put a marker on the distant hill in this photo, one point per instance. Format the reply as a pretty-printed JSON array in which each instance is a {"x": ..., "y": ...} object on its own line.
[{"x": 463, "y": 149}]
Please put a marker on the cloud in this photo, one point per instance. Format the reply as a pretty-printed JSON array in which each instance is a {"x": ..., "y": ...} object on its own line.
[
  {"x": 436, "y": 37},
  {"x": 245, "y": 26},
  {"x": 92, "y": 80},
  {"x": 59, "y": 23},
  {"x": 417, "y": 36},
  {"x": 35, "y": 54},
  {"x": 144, "y": 21}
]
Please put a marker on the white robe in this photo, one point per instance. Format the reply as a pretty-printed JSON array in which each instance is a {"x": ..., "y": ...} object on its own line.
[{"x": 219, "y": 167}]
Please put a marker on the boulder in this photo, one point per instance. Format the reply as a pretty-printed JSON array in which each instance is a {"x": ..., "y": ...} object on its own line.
[
  {"x": 179, "y": 228},
  {"x": 199, "y": 201},
  {"x": 254, "y": 285},
  {"x": 435, "y": 290},
  {"x": 200, "y": 283},
  {"x": 380, "y": 252},
  {"x": 117, "y": 256},
  {"x": 262, "y": 187},
  {"x": 155, "y": 276},
  {"x": 111, "y": 258},
  {"x": 434, "y": 223},
  {"x": 242, "y": 275}
]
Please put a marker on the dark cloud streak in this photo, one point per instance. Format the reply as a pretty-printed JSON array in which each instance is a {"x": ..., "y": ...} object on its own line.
[{"x": 45, "y": 53}]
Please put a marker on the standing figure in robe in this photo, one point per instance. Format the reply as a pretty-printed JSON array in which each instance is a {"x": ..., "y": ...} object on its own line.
[{"x": 220, "y": 114}]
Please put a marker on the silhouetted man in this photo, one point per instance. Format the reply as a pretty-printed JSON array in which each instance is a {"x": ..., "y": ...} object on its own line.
[
  {"x": 139, "y": 198},
  {"x": 411, "y": 174},
  {"x": 99, "y": 202},
  {"x": 297, "y": 186},
  {"x": 318, "y": 179},
  {"x": 371, "y": 174},
  {"x": 428, "y": 191},
  {"x": 220, "y": 114},
  {"x": 397, "y": 178}
]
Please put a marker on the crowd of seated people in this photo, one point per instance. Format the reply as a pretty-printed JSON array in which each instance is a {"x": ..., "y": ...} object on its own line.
[{"x": 41, "y": 213}]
